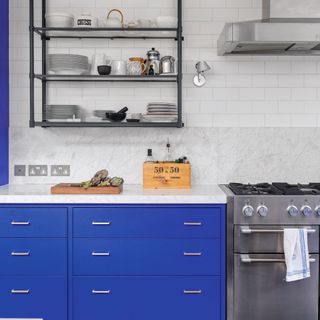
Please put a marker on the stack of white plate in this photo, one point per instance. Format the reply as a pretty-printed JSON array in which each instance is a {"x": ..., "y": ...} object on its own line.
[
  {"x": 161, "y": 112},
  {"x": 68, "y": 64},
  {"x": 63, "y": 112}
]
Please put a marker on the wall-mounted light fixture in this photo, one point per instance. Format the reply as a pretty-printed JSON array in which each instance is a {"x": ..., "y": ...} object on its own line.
[{"x": 200, "y": 80}]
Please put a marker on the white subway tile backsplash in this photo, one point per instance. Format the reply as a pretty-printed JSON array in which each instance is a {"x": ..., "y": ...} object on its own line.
[
  {"x": 251, "y": 67},
  {"x": 278, "y": 93},
  {"x": 278, "y": 67},
  {"x": 303, "y": 94},
  {"x": 291, "y": 81},
  {"x": 240, "y": 91}
]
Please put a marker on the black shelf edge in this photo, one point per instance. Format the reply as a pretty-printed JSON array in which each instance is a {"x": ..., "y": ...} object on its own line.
[
  {"x": 104, "y": 33},
  {"x": 110, "y": 78},
  {"x": 47, "y": 124}
]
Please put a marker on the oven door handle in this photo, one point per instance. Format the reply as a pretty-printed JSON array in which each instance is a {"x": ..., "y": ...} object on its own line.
[
  {"x": 248, "y": 230},
  {"x": 245, "y": 258}
]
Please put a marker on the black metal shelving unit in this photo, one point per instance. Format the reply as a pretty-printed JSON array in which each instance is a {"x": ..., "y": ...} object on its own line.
[{"x": 46, "y": 34}]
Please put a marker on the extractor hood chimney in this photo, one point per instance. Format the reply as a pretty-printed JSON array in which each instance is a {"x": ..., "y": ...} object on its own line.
[{"x": 287, "y": 27}]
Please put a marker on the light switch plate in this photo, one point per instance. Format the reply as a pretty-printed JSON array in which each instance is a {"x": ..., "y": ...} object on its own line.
[
  {"x": 60, "y": 171},
  {"x": 38, "y": 170},
  {"x": 20, "y": 170}
]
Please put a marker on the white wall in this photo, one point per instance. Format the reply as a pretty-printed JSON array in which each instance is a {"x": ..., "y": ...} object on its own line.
[{"x": 241, "y": 92}]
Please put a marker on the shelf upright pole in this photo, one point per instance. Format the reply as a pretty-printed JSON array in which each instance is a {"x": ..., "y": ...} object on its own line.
[
  {"x": 31, "y": 75},
  {"x": 180, "y": 40},
  {"x": 44, "y": 61}
]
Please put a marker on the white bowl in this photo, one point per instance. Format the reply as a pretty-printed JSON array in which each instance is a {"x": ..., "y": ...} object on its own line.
[
  {"x": 167, "y": 22},
  {"x": 60, "y": 20}
]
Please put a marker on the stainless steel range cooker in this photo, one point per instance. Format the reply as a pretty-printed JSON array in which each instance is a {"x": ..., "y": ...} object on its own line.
[{"x": 257, "y": 215}]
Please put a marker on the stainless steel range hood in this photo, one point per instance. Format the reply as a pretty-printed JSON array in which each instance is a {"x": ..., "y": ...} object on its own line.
[{"x": 288, "y": 27}]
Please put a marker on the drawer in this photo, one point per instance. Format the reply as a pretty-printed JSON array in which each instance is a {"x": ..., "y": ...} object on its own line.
[
  {"x": 147, "y": 221},
  {"x": 33, "y": 222},
  {"x": 146, "y": 256},
  {"x": 28, "y": 297},
  {"x": 145, "y": 298},
  {"x": 33, "y": 256}
]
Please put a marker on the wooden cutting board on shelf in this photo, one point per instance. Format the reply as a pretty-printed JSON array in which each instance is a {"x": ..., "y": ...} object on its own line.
[{"x": 70, "y": 188}]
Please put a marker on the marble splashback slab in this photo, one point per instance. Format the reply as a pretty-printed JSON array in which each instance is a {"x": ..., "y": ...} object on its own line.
[{"x": 218, "y": 155}]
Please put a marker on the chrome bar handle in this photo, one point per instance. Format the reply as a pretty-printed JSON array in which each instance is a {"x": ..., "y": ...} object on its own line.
[
  {"x": 246, "y": 259},
  {"x": 101, "y": 291},
  {"x": 20, "y": 223},
  {"x": 192, "y": 224},
  {"x": 101, "y": 254},
  {"x": 192, "y": 254},
  {"x": 192, "y": 291},
  {"x": 248, "y": 230},
  {"x": 14, "y": 291},
  {"x": 106, "y": 223},
  {"x": 20, "y": 254}
]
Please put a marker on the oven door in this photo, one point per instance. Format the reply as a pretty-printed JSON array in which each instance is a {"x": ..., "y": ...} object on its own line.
[
  {"x": 268, "y": 239},
  {"x": 261, "y": 293}
]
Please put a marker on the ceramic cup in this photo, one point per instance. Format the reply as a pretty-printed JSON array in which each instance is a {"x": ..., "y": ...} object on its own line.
[
  {"x": 99, "y": 59},
  {"x": 143, "y": 66},
  {"x": 119, "y": 67},
  {"x": 135, "y": 68}
]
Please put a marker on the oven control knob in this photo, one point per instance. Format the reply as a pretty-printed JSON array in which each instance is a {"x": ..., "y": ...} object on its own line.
[
  {"x": 306, "y": 211},
  {"x": 248, "y": 211},
  {"x": 293, "y": 211},
  {"x": 263, "y": 210},
  {"x": 317, "y": 210}
]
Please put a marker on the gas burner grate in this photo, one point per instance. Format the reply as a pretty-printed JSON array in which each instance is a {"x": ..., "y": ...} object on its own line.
[
  {"x": 298, "y": 189},
  {"x": 254, "y": 189}
]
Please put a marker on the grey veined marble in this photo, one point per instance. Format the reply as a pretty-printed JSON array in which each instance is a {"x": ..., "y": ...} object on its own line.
[{"x": 217, "y": 155}]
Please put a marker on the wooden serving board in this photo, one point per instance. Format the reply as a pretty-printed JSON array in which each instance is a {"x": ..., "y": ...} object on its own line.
[{"x": 69, "y": 188}]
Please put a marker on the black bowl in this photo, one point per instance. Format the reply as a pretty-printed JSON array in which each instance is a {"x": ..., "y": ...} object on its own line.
[
  {"x": 104, "y": 70},
  {"x": 116, "y": 117}
]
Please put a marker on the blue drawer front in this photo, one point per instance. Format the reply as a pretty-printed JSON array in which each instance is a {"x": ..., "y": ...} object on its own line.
[
  {"x": 33, "y": 222},
  {"x": 145, "y": 298},
  {"x": 47, "y": 298},
  {"x": 146, "y": 256},
  {"x": 144, "y": 221},
  {"x": 33, "y": 256}
]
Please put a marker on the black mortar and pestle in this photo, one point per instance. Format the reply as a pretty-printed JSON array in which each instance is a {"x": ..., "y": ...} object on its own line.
[{"x": 117, "y": 116}]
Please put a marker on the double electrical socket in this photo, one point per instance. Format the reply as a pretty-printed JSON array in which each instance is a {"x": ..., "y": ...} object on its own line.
[{"x": 42, "y": 170}]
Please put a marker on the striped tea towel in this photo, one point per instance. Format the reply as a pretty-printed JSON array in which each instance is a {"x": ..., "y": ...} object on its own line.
[{"x": 296, "y": 253}]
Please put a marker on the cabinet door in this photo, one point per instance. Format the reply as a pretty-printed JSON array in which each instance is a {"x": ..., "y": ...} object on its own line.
[
  {"x": 145, "y": 298},
  {"x": 146, "y": 256},
  {"x": 4, "y": 89},
  {"x": 32, "y": 297}
]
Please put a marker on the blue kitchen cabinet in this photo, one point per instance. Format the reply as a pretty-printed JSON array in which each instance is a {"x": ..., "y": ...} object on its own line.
[
  {"x": 4, "y": 92},
  {"x": 120, "y": 262}
]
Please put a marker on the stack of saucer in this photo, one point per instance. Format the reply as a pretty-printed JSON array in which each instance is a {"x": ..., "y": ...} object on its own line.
[{"x": 161, "y": 112}]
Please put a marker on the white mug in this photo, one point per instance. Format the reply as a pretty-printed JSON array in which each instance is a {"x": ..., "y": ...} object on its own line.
[
  {"x": 119, "y": 68},
  {"x": 135, "y": 68}
]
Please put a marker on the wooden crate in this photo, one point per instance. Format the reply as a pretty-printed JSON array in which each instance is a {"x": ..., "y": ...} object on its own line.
[{"x": 166, "y": 176}]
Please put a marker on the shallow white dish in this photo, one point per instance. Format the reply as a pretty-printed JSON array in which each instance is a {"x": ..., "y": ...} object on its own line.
[{"x": 59, "y": 20}]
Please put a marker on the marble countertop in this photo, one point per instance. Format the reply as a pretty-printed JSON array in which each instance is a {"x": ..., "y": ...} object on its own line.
[{"x": 132, "y": 194}]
